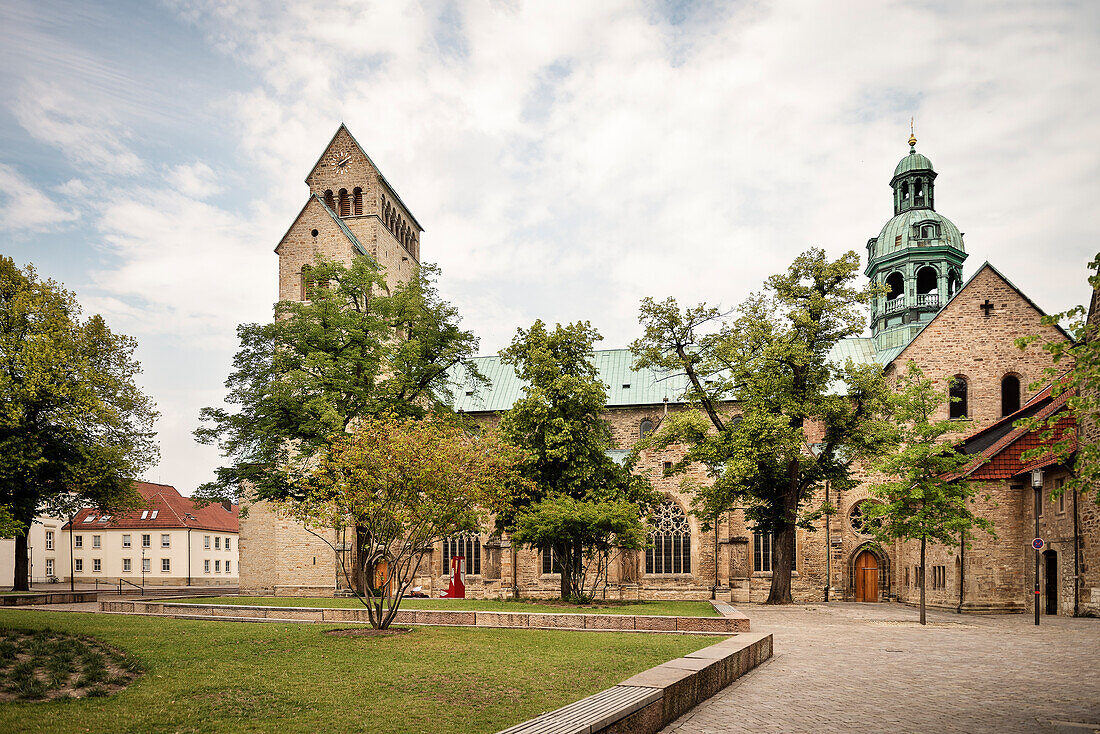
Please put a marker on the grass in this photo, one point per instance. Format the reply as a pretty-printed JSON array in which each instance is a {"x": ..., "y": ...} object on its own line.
[
  {"x": 43, "y": 663},
  {"x": 235, "y": 677},
  {"x": 660, "y": 608}
]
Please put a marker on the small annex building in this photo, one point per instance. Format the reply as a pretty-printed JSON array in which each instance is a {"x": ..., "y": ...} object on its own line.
[{"x": 949, "y": 325}]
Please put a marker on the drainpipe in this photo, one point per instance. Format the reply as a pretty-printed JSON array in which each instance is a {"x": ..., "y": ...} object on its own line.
[
  {"x": 828, "y": 548},
  {"x": 1076, "y": 559},
  {"x": 515, "y": 583},
  {"x": 188, "y": 556},
  {"x": 962, "y": 570}
]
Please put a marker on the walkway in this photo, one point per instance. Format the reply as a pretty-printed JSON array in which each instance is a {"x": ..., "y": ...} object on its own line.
[{"x": 845, "y": 667}]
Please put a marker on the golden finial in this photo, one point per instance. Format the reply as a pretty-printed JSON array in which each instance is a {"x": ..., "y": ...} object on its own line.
[{"x": 912, "y": 137}]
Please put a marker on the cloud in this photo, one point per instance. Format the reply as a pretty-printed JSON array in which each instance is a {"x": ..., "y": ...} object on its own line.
[
  {"x": 571, "y": 158},
  {"x": 87, "y": 134},
  {"x": 196, "y": 180},
  {"x": 25, "y": 207}
]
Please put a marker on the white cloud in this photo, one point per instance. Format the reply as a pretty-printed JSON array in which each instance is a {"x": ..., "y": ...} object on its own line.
[
  {"x": 196, "y": 180},
  {"x": 25, "y": 207},
  {"x": 87, "y": 133}
]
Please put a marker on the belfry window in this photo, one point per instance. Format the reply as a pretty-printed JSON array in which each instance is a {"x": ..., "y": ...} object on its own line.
[
  {"x": 357, "y": 201},
  {"x": 957, "y": 395},
  {"x": 954, "y": 280},
  {"x": 345, "y": 203},
  {"x": 1010, "y": 395},
  {"x": 927, "y": 287},
  {"x": 329, "y": 200},
  {"x": 669, "y": 548},
  {"x": 918, "y": 193}
]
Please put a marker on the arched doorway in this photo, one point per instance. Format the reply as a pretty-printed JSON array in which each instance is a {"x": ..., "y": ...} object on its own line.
[
  {"x": 1050, "y": 571},
  {"x": 865, "y": 569}
]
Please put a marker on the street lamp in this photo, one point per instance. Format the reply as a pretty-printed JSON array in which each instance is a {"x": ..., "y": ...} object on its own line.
[
  {"x": 1037, "y": 485},
  {"x": 143, "y": 567}
]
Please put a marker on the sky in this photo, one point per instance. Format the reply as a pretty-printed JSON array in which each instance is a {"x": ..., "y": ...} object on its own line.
[{"x": 566, "y": 159}]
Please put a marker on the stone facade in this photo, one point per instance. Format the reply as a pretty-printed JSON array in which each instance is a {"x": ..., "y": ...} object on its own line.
[{"x": 971, "y": 337}]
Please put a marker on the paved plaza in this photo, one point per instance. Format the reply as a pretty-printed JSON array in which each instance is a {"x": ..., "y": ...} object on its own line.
[{"x": 845, "y": 667}]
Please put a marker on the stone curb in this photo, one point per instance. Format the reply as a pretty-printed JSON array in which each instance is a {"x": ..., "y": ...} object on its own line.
[
  {"x": 457, "y": 618},
  {"x": 652, "y": 699}
]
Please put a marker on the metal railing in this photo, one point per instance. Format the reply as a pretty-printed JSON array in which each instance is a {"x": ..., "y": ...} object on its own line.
[
  {"x": 928, "y": 299},
  {"x": 130, "y": 583}
]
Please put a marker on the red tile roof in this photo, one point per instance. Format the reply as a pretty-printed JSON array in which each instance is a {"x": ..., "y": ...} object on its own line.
[
  {"x": 172, "y": 509},
  {"x": 1001, "y": 460}
]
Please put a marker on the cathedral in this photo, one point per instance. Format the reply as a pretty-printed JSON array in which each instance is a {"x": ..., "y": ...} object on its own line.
[{"x": 950, "y": 325}]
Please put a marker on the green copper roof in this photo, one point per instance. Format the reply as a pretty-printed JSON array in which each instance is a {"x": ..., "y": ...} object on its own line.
[
  {"x": 902, "y": 233},
  {"x": 913, "y": 162},
  {"x": 625, "y": 385}
]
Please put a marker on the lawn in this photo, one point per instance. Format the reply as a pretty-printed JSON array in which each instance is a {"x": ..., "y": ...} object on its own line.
[
  {"x": 662, "y": 608},
  {"x": 240, "y": 677}
]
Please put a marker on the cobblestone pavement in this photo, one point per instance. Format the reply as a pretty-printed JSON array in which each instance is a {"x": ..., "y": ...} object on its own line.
[{"x": 846, "y": 667}]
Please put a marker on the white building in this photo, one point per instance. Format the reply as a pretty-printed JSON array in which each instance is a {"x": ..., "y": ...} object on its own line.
[{"x": 169, "y": 542}]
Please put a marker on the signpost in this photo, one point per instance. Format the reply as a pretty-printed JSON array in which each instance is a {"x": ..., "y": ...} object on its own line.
[{"x": 1037, "y": 544}]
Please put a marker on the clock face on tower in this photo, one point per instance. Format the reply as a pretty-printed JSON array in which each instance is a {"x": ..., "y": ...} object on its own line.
[{"x": 340, "y": 160}]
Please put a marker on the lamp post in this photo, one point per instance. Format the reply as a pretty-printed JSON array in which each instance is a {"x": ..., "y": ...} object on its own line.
[
  {"x": 143, "y": 566},
  {"x": 1037, "y": 485}
]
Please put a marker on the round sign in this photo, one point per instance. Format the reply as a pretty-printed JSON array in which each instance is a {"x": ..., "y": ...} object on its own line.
[{"x": 1037, "y": 544}]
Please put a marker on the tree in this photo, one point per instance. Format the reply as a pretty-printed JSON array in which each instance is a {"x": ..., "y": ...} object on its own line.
[
  {"x": 924, "y": 500},
  {"x": 72, "y": 420},
  {"x": 580, "y": 503},
  {"x": 405, "y": 484},
  {"x": 1075, "y": 370},
  {"x": 771, "y": 362},
  {"x": 353, "y": 351}
]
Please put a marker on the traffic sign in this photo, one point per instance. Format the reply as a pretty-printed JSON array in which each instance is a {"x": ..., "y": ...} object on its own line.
[{"x": 1037, "y": 544}]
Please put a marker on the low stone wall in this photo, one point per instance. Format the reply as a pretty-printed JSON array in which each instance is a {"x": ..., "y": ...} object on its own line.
[
  {"x": 49, "y": 597},
  {"x": 649, "y": 701},
  {"x": 446, "y": 617}
]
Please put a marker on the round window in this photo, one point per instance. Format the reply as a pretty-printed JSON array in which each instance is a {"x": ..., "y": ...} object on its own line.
[{"x": 858, "y": 520}]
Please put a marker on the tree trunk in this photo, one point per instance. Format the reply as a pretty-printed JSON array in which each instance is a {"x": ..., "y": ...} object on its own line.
[
  {"x": 22, "y": 561},
  {"x": 923, "y": 577},
  {"x": 783, "y": 545},
  {"x": 362, "y": 553}
]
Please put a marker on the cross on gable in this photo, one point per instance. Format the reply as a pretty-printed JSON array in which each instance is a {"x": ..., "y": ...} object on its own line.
[{"x": 987, "y": 307}]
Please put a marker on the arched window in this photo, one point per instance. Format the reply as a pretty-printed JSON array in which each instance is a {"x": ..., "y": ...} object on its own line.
[
  {"x": 957, "y": 394},
  {"x": 645, "y": 428},
  {"x": 954, "y": 280},
  {"x": 345, "y": 204},
  {"x": 357, "y": 201},
  {"x": 858, "y": 520},
  {"x": 927, "y": 281},
  {"x": 1010, "y": 394},
  {"x": 307, "y": 282},
  {"x": 669, "y": 548},
  {"x": 467, "y": 546},
  {"x": 329, "y": 200},
  {"x": 918, "y": 192},
  {"x": 905, "y": 193},
  {"x": 895, "y": 285}
]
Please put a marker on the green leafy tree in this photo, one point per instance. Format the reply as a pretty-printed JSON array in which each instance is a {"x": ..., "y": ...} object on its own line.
[
  {"x": 924, "y": 500},
  {"x": 405, "y": 484},
  {"x": 770, "y": 361},
  {"x": 1075, "y": 370},
  {"x": 352, "y": 351},
  {"x": 577, "y": 498},
  {"x": 72, "y": 420}
]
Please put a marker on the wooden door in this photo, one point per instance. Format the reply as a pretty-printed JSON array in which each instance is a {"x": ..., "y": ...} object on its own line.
[
  {"x": 866, "y": 570},
  {"x": 1051, "y": 573}
]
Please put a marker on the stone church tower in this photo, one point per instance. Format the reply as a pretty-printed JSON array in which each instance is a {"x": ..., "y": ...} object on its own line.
[
  {"x": 917, "y": 256},
  {"x": 351, "y": 210}
]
